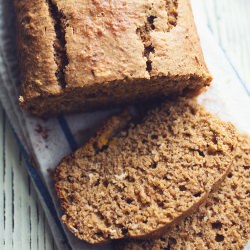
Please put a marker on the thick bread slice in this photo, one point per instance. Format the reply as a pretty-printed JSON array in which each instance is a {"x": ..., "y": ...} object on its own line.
[
  {"x": 222, "y": 223},
  {"x": 147, "y": 177}
]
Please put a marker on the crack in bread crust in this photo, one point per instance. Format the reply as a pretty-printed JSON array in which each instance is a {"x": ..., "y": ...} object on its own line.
[
  {"x": 59, "y": 45},
  {"x": 172, "y": 6},
  {"x": 144, "y": 31}
]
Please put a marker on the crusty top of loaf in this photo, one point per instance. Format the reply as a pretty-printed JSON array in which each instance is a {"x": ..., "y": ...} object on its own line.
[
  {"x": 96, "y": 41},
  {"x": 222, "y": 223},
  {"x": 147, "y": 177},
  {"x": 35, "y": 36}
]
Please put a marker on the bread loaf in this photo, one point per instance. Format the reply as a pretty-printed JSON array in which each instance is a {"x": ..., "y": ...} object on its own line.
[{"x": 81, "y": 55}]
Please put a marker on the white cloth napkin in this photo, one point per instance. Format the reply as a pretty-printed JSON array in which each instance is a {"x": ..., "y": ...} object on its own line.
[{"x": 45, "y": 143}]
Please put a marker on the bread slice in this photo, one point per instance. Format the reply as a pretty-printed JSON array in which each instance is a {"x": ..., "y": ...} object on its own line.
[
  {"x": 222, "y": 223},
  {"x": 82, "y": 55},
  {"x": 141, "y": 181}
]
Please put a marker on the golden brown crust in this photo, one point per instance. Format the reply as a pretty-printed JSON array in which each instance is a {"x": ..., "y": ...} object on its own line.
[
  {"x": 178, "y": 53},
  {"x": 221, "y": 223},
  {"x": 89, "y": 99},
  {"x": 119, "y": 46},
  {"x": 35, "y": 38},
  {"x": 149, "y": 177}
]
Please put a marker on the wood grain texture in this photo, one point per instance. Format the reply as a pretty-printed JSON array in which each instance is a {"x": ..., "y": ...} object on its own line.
[
  {"x": 22, "y": 222},
  {"x": 230, "y": 23}
]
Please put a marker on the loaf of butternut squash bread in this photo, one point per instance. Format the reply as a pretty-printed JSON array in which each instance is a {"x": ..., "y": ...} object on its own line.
[{"x": 80, "y": 55}]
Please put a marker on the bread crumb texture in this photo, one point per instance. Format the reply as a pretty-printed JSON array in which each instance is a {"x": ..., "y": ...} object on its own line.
[
  {"x": 148, "y": 176},
  {"x": 221, "y": 223}
]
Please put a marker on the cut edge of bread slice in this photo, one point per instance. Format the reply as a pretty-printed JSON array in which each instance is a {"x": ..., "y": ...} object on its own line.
[
  {"x": 222, "y": 222},
  {"x": 105, "y": 138}
]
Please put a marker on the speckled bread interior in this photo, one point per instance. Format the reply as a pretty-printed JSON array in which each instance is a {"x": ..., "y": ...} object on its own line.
[
  {"x": 140, "y": 182},
  {"x": 221, "y": 223}
]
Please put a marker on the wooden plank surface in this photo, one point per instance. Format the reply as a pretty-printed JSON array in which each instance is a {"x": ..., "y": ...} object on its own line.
[
  {"x": 230, "y": 22},
  {"x": 22, "y": 222}
]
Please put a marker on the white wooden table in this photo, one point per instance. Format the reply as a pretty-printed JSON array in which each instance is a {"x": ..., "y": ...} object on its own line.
[{"x": 22, "y": 221}]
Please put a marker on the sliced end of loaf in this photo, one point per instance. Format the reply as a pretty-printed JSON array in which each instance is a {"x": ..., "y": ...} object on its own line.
[{"x": 148, "y": 176}]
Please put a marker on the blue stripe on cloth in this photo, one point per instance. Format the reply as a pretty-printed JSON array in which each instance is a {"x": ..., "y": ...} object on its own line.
[
  {"x": 43, "y": 191},
  {"x": 67, "y": 132}
]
